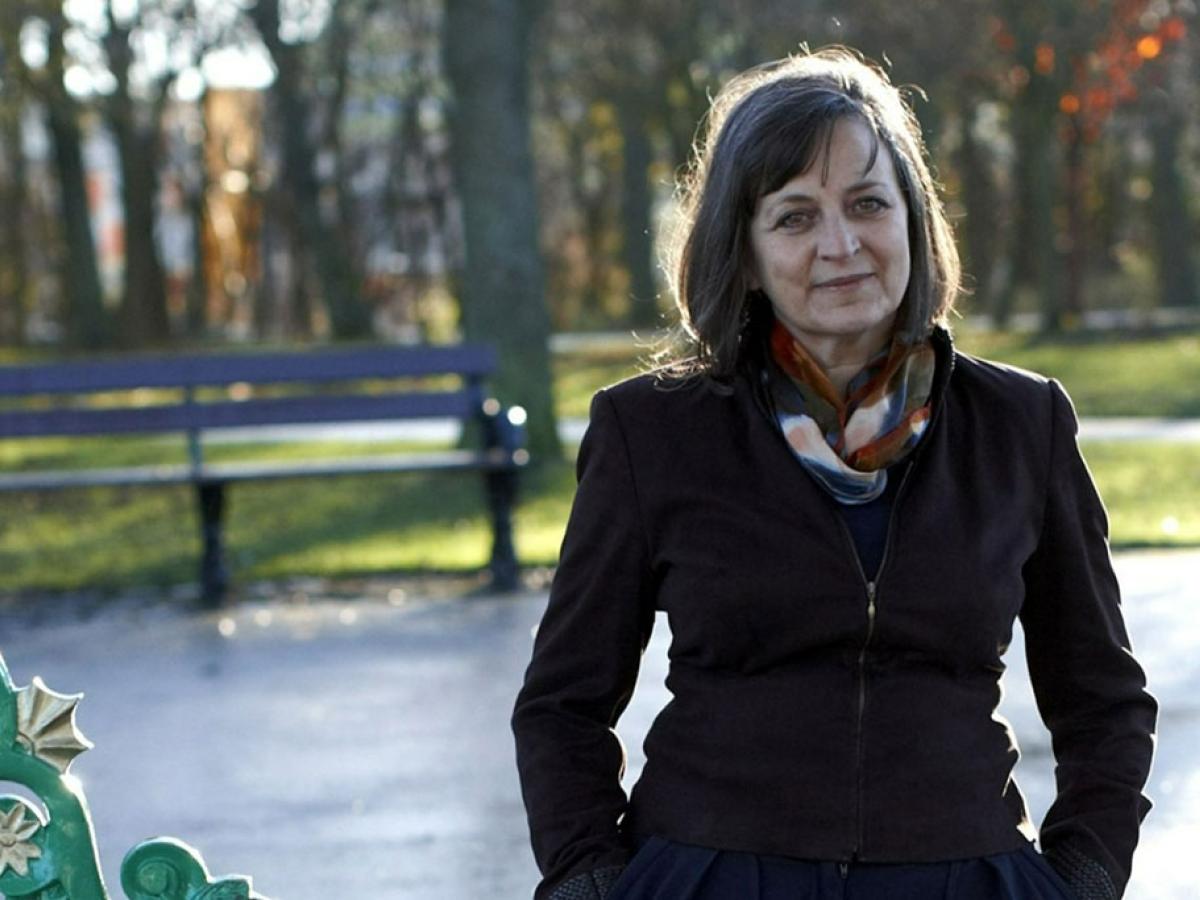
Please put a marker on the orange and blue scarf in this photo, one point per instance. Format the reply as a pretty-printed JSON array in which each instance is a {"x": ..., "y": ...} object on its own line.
[{"x": 847, "y": 442}]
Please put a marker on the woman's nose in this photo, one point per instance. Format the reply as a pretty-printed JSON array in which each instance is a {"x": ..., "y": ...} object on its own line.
[{"x": 837, "y": 238}]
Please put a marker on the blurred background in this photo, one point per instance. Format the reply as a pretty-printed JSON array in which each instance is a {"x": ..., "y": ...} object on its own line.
[
  {"x": 181, "y": 171},
  {"x": 186, "y": 174},
  {"x": 193, "y": 174}
]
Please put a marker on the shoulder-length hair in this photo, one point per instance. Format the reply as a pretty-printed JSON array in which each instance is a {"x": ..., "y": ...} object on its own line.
[{"x": 766, "y": 126}]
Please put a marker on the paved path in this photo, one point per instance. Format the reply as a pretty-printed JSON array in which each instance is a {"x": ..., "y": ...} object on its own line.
[
  {"x": 571, "y": 431},
  {"x": 355, "y": 743}
]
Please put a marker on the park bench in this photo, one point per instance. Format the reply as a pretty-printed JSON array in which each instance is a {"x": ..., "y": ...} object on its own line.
[
  {"x": 47, "y": 844},
  {"x": 190, "y": 395}
]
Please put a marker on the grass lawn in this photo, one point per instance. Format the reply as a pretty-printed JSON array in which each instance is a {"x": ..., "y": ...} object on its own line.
[
  {"x": 101, "y": 537},
  {"x": 1152, "y": 491},
  {"x": 578, "y": 375},
  {"x": 117, "y": 537},
  {"x": 1106, "y": 374}
]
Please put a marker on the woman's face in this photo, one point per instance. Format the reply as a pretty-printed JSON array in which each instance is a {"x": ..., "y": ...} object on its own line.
[{"x": 832, "y": 254}]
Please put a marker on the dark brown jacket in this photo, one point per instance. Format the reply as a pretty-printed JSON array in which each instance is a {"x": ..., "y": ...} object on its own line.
[{"x": 816, "y": 713}]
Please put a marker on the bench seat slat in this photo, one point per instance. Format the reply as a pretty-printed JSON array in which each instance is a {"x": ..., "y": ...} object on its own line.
[
  {"x": 129, "y": 476},
  {"x": 232, "y": 414},
  {"x": 445, "y": 460},
  {"x": 469, "y": 360}
]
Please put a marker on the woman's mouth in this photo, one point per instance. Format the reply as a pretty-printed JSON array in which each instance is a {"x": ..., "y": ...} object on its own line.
[{"x": 843, "y": 281}]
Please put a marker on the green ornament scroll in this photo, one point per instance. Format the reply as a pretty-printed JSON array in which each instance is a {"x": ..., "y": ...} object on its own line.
[{"x": 48, "y": 848}]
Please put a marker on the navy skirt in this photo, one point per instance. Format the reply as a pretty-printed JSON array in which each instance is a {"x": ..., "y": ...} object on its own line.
[{"x": 666, "y": 870}]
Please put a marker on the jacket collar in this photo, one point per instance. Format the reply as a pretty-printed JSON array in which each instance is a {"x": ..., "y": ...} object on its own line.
[{"x": 943, "y": 347}]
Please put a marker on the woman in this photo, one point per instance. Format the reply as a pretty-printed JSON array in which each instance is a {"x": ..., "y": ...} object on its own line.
[{"x": 841, "y": 516}]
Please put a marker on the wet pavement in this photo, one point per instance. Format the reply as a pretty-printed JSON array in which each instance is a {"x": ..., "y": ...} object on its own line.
[
  {"x": 570, "y": 431},
  {"x": 352, "y": 740}
]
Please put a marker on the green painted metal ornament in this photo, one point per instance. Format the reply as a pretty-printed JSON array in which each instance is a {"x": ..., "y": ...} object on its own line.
[
  {"x": 48, "y": 847},
  {"x": 17, "y": 826}
]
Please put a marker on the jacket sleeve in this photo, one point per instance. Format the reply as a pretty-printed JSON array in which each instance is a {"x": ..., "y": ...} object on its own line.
[
  {"x": 585, "y": 663},
  {"x": 1090, "y": 690}
]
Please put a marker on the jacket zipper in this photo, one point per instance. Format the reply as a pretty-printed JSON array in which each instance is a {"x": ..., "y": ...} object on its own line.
[
  {"x": 766, "y": 405},
  {"x": 872, "y": 590},
  {"x": 862, "y": 706}
]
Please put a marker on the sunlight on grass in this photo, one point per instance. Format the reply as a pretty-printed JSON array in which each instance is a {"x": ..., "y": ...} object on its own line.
[
  {"x": 1107, "y": 375},
  {"x": 351, "y": 526},
  {"x": 1151, "y": 491},
  {"x": 107, "y": 537},
  {"x": 1111, "y": 376},
  {"x": 118, "y": 451},
  {"x": 578, "y": 376},
  {"x": 460, "y": 547}
]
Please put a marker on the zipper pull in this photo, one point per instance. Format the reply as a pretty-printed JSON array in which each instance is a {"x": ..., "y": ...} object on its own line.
[
  {"x": 844, "y": 868},
  {"x": 871, "y": 600}
]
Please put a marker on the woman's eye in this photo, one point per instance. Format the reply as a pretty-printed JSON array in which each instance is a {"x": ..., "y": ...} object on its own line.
[
  {"x": 870, "y": 204},
  {"x": 796, "y": 219}
]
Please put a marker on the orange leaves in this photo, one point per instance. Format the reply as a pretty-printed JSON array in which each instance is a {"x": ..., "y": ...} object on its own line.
[
  {"x": 1087, "y": 109},
  {"x": 1100, "y": 101},
  {"x": 1105, "y": 77},
  {"x": 1096, "y": 65},
  {"x": 1173, "y": 29},
  {"x": 1043, "y": 56},
  {"x": 1149, "y": 46},
  {"x": 1001, "y": 36}
]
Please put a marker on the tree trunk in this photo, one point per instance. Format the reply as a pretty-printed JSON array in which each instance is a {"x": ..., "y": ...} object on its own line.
[
  {"x": 14, "y": 260},
  {"x": 1110, "y": 220},
  {"x": 196, "y": 306},
  {"x": 339, "y": 41},
  {"x": 294, "y": 293},
  {"x": 86, "y": 321},
  {"x": 14, "y": 268},
  {"x": 329, "y": 249},
  {"x": 195, "y": 185},
  {"x": 503, "y": 302},
  {"x": 1077, "y": 237},
  {"x": 980, "y": 229},
  {"x": 144, "y": 316},
  {"x": 1170, "y": 220},
  {"x": 1034, "y": 257},
  {"x": 637, "y": 236}
]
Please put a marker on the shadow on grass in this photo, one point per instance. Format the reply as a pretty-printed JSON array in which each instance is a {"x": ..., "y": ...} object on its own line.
[
  {"x": 110, "y": 538},
  {"x": 118, "y": 538}
]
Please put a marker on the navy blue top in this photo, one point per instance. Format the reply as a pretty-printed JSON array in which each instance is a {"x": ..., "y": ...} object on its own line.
[{"x": 868, "y": 522}]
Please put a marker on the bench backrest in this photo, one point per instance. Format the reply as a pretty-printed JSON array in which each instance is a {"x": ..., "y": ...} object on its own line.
[{"x": 192, "y": 374}]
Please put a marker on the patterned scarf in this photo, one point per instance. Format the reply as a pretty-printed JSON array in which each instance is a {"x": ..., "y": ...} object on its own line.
[{"x": 847, "y": 443}]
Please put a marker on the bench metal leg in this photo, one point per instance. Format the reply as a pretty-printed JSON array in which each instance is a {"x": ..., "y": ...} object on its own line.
[
  {"x": 502, "y": 496},
  {"x": 214, "y": 578}
]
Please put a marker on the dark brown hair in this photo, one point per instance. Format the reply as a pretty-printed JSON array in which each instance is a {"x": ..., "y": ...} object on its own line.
[{"x": 766, "y": 126}]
